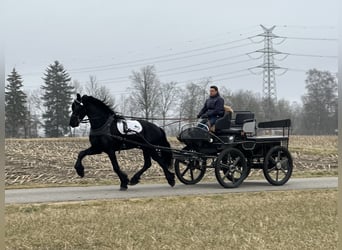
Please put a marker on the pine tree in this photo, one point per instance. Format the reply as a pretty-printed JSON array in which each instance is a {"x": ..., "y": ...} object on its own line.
[
  {"x": 15, "y": 109},
  {"x": 57, "y": 100}
]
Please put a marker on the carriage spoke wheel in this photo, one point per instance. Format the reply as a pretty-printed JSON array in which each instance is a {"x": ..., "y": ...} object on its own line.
[
  {"x": 231, "y": 168},
  {"x": 189, "y": 171},
  {"x": 278, "y": 166}
]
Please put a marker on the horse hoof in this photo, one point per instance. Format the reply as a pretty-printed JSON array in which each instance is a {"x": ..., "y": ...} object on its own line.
[
  {"x": 133, "y": 182},
  {"x": 123, "y": 188},
  {"x": 172, "y": 182},
  {"x": 80, "y": 172}
]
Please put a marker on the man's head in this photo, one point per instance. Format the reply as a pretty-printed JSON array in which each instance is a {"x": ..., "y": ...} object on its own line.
[{"x": 213, "y": 90}]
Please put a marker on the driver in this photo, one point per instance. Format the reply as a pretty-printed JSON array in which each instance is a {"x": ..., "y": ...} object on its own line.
[{"x": 213, "y": 107}]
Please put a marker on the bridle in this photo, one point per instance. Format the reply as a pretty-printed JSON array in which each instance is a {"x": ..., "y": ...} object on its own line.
[{"x": 77, "y": 116}]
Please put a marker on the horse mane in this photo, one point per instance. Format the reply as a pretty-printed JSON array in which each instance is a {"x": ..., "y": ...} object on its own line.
[{"x": 105, "y": 105}]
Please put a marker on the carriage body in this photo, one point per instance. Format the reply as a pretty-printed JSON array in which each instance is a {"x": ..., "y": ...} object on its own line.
[{"x": 237, "y": 146}]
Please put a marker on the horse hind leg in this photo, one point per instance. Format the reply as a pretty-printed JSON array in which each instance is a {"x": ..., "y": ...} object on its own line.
[
  {"x": 170, "y": 177},
  {"x": 147, "y": 164}
]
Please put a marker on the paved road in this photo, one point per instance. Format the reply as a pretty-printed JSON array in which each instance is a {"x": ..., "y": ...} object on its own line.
[{"x": 63, "y": 194}]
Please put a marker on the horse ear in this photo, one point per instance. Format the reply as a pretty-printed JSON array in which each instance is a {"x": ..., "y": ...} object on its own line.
[
  {"x": 84, "y": 97},
  {"x": 78, "y": 97}
]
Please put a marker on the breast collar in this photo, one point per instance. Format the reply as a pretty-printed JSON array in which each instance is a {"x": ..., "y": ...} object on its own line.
[{"x": 105, "y": 129}]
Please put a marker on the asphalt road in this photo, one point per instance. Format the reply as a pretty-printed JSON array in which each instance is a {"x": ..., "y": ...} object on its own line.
[{"x": 63, "y": 194}]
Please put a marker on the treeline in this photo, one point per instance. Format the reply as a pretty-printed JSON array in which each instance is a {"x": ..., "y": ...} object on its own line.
[{"x": 46, "y": 111}]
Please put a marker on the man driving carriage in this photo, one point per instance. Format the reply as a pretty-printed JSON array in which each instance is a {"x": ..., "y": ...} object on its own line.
[{"x": 213, "y": 107}]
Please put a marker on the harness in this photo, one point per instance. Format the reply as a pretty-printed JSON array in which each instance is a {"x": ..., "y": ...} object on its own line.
[{"x": 105, "y": 129}]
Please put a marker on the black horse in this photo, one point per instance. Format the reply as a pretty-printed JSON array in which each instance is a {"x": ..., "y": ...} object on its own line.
[{"x": 105, "y": 137}]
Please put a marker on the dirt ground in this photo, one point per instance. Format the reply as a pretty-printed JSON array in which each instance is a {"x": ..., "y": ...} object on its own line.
[{"x": 51, "y": 161}]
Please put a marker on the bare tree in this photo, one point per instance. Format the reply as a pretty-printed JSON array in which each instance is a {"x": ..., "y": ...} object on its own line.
[
  {"x": 35, "y": 110},
  {"x": 193, "y": 99},
  {"x": 145, "y": 91},
  {"x": 245, "y": 100},
  {"x": 77, "y": 86},
  {"x": 93, "y": 88},
  {"x": 168, "y": 96},
  {"x": 126, "y": 107}
]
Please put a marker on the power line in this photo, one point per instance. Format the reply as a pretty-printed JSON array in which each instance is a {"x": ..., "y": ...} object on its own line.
[
  {"x": 208, "y": 76},
  {"x": 207, "y": 62},
  {"x": 246, "y": 30},
  {"x": 162, "y": 60},
  {"x": 188, "y": 71},
  {"x": 164, "y": 56},
  {"x": 212, "y": 67},
  {"x": 113, "y": 66},
  {"x": 97, "y": 69},
  {"x": 220, "y": 79},
  {"x": 194, "y": 65},
  {"x": 325, "y": 27},
  {"x": 309, "y": 38},
  {"x": 133, "y": 63},
  {"x": 233, "y": 77},
  {"x": 299, "y": 38},
  {"x": 298, "y": 70},
  {"x": 275, "y": 52},
  {"x": 309, "y": 55}
]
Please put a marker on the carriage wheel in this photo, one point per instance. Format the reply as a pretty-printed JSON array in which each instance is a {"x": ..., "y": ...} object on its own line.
[
  {"x": 231, "y": 168},
  {"x": 189, "y": 171},
  {"x": 278, "y": 166}
]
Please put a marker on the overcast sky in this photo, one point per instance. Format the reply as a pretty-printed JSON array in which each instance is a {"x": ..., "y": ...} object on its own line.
[{"x": 185, "y": 40}]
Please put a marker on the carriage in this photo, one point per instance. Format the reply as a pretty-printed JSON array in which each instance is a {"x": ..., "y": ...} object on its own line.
[{"x": 238, "y": 145}]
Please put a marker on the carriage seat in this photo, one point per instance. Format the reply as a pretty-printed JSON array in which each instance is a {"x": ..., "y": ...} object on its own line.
[
  {"x": 223, "y": 122},
  {"x": 241, "y": 118},
  {"x": 244, "y": 122}
]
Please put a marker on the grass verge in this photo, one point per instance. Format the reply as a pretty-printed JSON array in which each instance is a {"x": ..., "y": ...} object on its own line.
[{"x": 266, "y": 220}]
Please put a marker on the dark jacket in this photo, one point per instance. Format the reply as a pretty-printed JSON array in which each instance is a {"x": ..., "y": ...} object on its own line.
[{"x": 213, "y": 107}]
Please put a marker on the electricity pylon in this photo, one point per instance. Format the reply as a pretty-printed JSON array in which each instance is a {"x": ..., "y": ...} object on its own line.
[{"x": 269, "y": 88}]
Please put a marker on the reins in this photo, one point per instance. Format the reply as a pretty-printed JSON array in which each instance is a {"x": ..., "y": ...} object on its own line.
[
  {"x": 175, "y": 120},
  {"x": 149, "y": 145}
]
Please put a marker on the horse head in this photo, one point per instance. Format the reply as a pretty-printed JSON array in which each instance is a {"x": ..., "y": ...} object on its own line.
[{"x": 78, "y": 112}]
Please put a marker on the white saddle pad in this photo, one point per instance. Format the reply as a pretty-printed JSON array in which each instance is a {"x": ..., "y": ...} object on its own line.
[{"x": 133, "y": 127}]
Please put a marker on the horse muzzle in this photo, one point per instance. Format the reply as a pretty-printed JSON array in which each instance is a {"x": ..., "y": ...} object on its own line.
[{"x": 74, "y": 121}]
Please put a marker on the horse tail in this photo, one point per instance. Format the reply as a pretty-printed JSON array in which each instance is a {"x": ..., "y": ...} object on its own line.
[{"x": 166, "y": 154}]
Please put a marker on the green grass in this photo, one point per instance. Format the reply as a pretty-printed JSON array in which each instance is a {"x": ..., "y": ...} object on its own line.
[{"x": 266, "y": 220}]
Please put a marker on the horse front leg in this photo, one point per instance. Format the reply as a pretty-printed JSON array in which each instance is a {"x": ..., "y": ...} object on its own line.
[
  {"x": 122, "y": 175},
  {"x": 78, "y": 165}
]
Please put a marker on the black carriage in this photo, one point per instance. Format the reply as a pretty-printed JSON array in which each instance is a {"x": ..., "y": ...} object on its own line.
[{"x": 237, "y": 146}]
